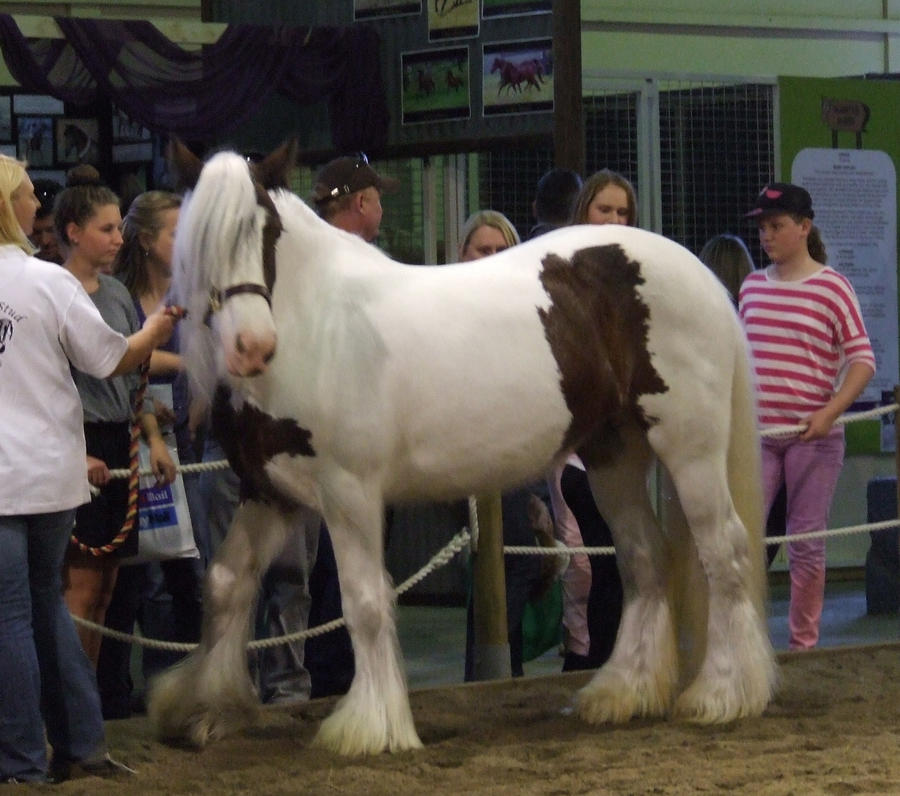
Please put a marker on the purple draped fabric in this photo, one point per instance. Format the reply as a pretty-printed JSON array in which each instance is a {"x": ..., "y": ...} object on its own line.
[{"x": 201, "y": 94}]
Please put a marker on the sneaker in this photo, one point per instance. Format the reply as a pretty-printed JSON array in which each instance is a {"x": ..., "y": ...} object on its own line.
[
  {"x": 62, "y": 769},
  {"x": 107, "y": 768}
]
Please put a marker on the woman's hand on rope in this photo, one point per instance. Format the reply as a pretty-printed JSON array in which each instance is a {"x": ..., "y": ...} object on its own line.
[
  {"x": 161, "y": 461},
  {"x": 97, "y": 471}
]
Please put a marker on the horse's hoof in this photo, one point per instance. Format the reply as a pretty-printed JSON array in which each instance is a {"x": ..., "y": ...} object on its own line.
[
  {"x": 347, "y": 733},
  {"x": 702, "y": 704},
  {"x": 612, "y": 698}
]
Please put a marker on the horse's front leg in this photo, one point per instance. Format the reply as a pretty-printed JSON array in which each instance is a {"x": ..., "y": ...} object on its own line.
[
  {"x": 374, "y": 716},
  {"x": 640, "y": 676},
  {"x": 209, "y": 694}
]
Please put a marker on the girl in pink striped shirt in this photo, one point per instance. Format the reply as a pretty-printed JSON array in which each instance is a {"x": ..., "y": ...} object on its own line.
[{"x": 812, "y": 359}]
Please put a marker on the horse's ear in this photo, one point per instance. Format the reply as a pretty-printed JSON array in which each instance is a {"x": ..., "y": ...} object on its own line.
[
  {"x": 184, "y": 165},
  {"x": 275, "y": 170}
]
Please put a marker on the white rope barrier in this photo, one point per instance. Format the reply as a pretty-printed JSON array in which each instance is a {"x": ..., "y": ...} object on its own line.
[
  {"x": 776, "y": 431},
  {"x": 441, "y": 558},
  {"x": 769, "y": 540},
  {"x": 465, "y": 537},
  {"x": 852, "y": 417}
]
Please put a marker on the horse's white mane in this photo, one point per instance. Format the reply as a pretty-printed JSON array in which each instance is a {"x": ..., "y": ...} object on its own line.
[{"x": 220, "y": 225}]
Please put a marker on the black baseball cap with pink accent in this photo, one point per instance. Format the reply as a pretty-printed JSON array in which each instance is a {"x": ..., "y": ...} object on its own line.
[{"x": 782, "y": 197}]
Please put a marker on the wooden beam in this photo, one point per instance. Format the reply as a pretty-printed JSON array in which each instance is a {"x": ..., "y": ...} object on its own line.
[
  {"x": 180, "y": 31},
  {"x": 568, "y": 124}
]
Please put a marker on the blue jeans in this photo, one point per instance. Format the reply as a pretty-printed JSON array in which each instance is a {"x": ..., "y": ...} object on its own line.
[{"x": 45, "y": 677}]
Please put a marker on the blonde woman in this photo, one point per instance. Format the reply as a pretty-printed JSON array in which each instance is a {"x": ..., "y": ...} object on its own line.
[
  {"x": 486, "y": 232},
  {"x": 47, "y": 322}
]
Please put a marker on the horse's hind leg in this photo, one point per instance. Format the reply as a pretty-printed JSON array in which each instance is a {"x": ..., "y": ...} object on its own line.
[
  {"x": 640, "y": 675},
  {"x": 737, "y": 675},
  {"x": 209, "y": 695},
  {"x": 374, "y": 716}
]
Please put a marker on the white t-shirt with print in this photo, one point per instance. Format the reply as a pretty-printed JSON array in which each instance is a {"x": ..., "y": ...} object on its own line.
[{"x": 46, "y": 322}]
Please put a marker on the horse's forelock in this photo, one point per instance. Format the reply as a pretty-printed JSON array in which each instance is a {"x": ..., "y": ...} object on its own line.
[
  {"x": 221, "y": 213},
  {"x": 219, "y": 224}
]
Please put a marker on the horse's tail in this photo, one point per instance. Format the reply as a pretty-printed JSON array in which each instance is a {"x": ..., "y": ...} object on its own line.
[{"x": 745, "y": 472}]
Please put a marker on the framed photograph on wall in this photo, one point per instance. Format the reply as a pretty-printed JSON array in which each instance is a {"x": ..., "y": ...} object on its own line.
[
  {"x": 507, "y": 8},
  {"x": 452, "y": 19},
  {"x": 372, "y": 9},
  {"x": 37, "y": 105},
  {"x": 34, "y": 138},
  {"x": 57, "y": 175},
  {"x": 517, "y": 77},
  {"x": 126, "y": 131},
  {"x": 138, "y": 152},
  {"x": 76, "y": 141},
  {"x": 435, "y": 85},
  {"x": 5, "y": 118}
]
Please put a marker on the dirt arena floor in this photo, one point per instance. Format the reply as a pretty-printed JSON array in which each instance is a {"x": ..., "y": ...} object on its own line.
[{"x": 834, "y": 728}]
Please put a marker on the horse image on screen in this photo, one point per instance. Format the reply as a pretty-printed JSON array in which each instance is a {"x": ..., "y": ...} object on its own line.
[{"x": 341, "y": 380}]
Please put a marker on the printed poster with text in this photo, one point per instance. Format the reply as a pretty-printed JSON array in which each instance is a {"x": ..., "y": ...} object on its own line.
[{"x": 854, "y": 194}]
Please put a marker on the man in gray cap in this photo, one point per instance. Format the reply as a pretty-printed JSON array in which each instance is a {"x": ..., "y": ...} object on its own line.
[{"x": 347, "y": 194}]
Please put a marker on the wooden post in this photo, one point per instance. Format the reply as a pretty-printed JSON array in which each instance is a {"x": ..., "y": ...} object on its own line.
[
  {"x": 568, "y": 116},
  {"x": 897, "y": 452},
  {"x": 491, "y": 648}
]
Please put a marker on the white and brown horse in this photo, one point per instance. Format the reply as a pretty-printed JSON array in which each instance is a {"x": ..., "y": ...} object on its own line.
[{"x": 350, "y": 380}]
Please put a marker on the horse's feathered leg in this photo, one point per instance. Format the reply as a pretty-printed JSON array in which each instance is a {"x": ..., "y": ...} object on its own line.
[
  {"x": 640, "y": 675},
  {"x": 736, "y": 676},
  {"x": 209, "y": 694},
  {"x": 721, "y": 497},
  {"x": 374, "y": 716}
]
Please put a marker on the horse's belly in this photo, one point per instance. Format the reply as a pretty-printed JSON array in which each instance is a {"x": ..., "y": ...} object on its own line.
[{"x": 456, "y": 460}]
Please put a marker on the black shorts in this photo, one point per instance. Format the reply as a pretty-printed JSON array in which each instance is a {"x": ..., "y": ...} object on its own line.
[{"x": 97, "y": 523}]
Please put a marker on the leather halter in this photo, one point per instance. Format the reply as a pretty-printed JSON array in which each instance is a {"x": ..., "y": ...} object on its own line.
[{"x": 218, "y": 297}]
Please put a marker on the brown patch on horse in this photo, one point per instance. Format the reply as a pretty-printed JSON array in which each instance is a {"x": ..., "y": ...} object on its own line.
[
  {"x": 273, "y": 172},
  {"x": 272, "y": 230},
  {"x": 597, "y": 328},
  {"x": 250, "y": 438}
]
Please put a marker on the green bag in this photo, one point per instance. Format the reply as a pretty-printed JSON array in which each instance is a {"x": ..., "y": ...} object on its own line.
[{"x": 542, "y": 623}]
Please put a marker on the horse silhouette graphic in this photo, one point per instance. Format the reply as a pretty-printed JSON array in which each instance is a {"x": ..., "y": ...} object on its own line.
[{"x": 845, "y": 116}]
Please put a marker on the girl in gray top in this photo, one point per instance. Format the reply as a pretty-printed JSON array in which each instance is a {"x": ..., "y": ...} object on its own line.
[{"x": 88, "y": 225}]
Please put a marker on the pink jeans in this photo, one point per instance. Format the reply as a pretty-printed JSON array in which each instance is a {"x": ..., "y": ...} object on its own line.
[{"x": 810, "y": 471}]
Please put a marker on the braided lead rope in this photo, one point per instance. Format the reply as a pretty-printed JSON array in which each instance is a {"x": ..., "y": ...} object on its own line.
[
  {"x": 440, "y": 559},
  {"x": 134, "y": 446},
  {"x": 869, "y": 414}
]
